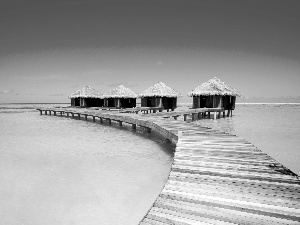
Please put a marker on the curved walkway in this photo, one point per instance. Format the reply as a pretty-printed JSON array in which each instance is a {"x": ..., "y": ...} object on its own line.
[{"x": 216, "y": 178}]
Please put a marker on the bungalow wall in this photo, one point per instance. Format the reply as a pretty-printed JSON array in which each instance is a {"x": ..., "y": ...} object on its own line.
[
  {"x": 228, "y": 102},
  {"x": 128, "y": 102},
  {"x": 75, "y": 102},
  {"x": 94, "y": 102},
  {"x": 164, "y": 102},
  {"x": 209, "y": 101}
]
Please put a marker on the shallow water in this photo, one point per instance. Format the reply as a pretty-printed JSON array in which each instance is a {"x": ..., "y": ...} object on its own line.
[
  {"x": 273, "y": 128},
  {"x": 63, "y": 171}
]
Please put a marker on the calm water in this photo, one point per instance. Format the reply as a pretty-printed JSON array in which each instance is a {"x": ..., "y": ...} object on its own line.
[
  {"x": 63, "y": 171},
  {"x": 273, "y": 128}
]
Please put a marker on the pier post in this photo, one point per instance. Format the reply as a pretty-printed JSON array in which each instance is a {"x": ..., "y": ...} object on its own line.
[
  {"x": 85, "y": 117},
  {"x": 219, "y": 114},
  {"x": 54, "y": 113},
  {"x": 224, "y": 114},
  {"x": 101, "y": 119},
  {"x": 60, "y": 113},
  {"x": 148, "y": 129},
  {"x": 94, "y": 119},
  {"x": 109, "y": 121},
  {"x": 179, "y": 134},
  {"x": 208, "y": 115},
  {"x": 231, "y": 112},
  {"x": 41, "y": 112},
  {"x": 215, "y": 115},
  {"x": 184, "y": 117},
  {"x": 199, "y": 115},
  {"x": 134, "y": 126},
  {"x": 120, "y": 123},
  {"x": 228, "y": 112},
  {"x": 73, "y": 115}
]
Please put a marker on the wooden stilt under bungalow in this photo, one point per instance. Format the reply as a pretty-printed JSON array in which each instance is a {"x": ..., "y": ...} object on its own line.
[
  {"x": 161, "y": 96},
  {"x": 86, "y": 97},
  {"x": 120, "y": 97},
  {"x": 214, "y": 94}
]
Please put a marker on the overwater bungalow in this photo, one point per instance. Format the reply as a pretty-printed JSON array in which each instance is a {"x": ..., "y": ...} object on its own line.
[
  {"x": 86, "y": 97},
  {"x": 214, "y": 94},
  {"x": 160, "y": 96},
  {"x": 120, "y": 97}
]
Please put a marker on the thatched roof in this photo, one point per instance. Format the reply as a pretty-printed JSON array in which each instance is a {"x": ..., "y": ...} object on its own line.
[
  {"x": 86, "y": 92},
  {"x": 120, "y": 92},
  {"x": 160, "y": 90},
  {"x": 214, "y": 87}
]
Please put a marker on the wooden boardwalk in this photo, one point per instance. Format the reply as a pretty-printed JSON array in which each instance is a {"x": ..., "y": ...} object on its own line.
[{"x": 216, "y": 178}]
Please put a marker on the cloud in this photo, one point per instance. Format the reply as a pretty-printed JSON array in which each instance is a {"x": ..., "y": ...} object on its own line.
[
  {"x": 159, "y": 63},
  {"x": 125, "y": 83},
  {"x": 8, "y": 91},
  {"x": 57, "y": 94},
  {"x": 41, "y": 78}
]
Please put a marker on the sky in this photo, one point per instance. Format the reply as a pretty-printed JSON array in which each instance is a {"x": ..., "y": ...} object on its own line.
[{"x": 49, "y": 49}]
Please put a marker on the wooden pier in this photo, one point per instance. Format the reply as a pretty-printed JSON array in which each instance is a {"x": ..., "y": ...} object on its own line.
[{"x": 215, "y": 178}]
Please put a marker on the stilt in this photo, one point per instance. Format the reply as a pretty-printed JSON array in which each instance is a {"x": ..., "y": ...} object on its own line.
[
  {"x": 231, "y": 113},
  {"x": 223, "y": 113},
  {"x": 85, "y": 117},
  {"x": 73, "y": 115},
  {"x": 78, "y": 116},
  {"x": 228, "y": 111},
  {"x": 94, "y": 119},
  {"x": 54, "y": 113},
  {"x": 184, "y": 117},
  {"x": 41, "y": 112},
  {"x": 60, "y": 113},
  {"x": 215, "y": 115},
  {"x": 208, "y": 115},
  {"x": 133, "y": 126},
  {"x": 199, "y": 115},
  {"x": 101, "y": 119},
  {"x": 219, "y": 115}
]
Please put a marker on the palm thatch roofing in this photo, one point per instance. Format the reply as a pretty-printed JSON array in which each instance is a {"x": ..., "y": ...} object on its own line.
[
  {"x": 214, "y": 87},
  {"x": 86, "y": 92},
  {"x": 160, "y": 90},
  {"x": 120, "y": 92}
]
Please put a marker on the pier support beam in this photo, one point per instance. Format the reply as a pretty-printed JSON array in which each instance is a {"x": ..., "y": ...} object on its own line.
[{"x": 184, "y": 117}]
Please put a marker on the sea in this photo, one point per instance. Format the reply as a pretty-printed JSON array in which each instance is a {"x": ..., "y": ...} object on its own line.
[{"x": 56, "y": 170}]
